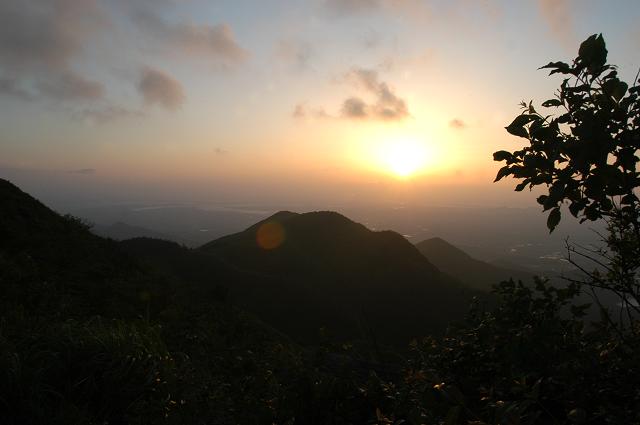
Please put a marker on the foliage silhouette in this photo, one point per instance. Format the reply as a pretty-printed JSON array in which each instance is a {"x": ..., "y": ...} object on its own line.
[{"x": 587, "y": 155}]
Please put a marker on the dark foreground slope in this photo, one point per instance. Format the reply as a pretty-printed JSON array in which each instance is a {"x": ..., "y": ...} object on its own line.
[
  {"x": 473, "y": 273},
  {"x": 90, "y": 335},
  {"x": 327, "y": 270},
  {"x": 45, "y": 255}
]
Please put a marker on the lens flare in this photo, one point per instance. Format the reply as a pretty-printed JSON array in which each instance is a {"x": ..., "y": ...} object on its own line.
[{"x": 270, "y": 235}]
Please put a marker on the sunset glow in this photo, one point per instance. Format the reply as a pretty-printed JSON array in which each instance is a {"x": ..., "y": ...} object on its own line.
[
  {"x": 339, "y": 97},
  {"x": 404, "y": 157}
]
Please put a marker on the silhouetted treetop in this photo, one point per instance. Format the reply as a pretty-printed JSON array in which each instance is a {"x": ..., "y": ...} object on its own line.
[{"x": 587, "y": 155}]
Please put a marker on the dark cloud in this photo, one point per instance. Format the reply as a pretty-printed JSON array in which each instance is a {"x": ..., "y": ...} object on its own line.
[
  {"x": 84, "y": 171},
  {"x": 12, "y": 87},
  {"x": 70, "y": 86},
  {"x": 457, "y": 124},
  {"x": 213, "y": 42},
  {"x": 386, "y": 105},
  {"x": 107, "y": 114},
  {"x": 160, "y": 88},
  {"x": 220, "y": 151},
  {"x": 354, "y": 107},
  {"x": 39, "y": 39}
]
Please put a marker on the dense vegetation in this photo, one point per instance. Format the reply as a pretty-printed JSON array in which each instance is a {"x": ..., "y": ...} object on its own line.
[{"x": 98, "y": 332}]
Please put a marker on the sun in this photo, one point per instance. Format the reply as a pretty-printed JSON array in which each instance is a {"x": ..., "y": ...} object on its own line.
[{"x": 403, "y": 157}]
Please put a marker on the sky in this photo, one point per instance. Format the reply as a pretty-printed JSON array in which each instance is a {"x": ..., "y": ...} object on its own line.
[{"x": 282, "y": 101}]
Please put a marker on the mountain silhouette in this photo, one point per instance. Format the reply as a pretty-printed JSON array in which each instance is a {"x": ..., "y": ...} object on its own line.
[
  {"x": 327, "y": 270},
  {"x": 473, "y": 273},
  {"x": 296, "y": 272},
  {"x": 324, "y": 242}
]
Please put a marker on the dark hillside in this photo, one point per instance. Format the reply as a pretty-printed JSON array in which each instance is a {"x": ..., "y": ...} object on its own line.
[
  {"x": 473, "y": 273},
  {"x": 44, "y": 253}
]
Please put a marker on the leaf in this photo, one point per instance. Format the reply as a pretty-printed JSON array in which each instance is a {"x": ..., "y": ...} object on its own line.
[
  {"x": 615, "y": 88},
  {"x": 518, "y": 131},
  {"x": 620, "y": 90},
  {"x": 517, "y": 125},
  {"x": 576, "y": 207},
  {"x": 593, "y": 52},
  {"x": 553, "y": 219},
  {"x": 502, "y": 156},
  {"x": 521, "y": 120},
  {"x": 551, "y": 102},
  {"x": 521, "y": 186},
  {"x": 629, "y": 199},
  {"x": 504, "y": 171},
  {"x": 557, "y": 67},
  {"x": 606, "y": 204}
]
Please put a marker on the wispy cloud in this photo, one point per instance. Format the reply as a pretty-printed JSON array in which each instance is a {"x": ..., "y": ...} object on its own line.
[
  {"x": 160, "y": 88},
  {"x": 294, "y": 53},
  {"x": 12, "y": 87},
  {"x": 215, "y": 43},
  {"x": 376, "y": 101},
  {"x": 107, "y": 114},
  {"x": 416, "y": 10},
  {"x": 557, "y": 14},
  {"x": 70, "y": 86},
  {"x": 302, "y": 111},
  {"x": 341, "y": 7},
  {"x": 458, "y": 124},
  {"x": 84, "y": 171}
]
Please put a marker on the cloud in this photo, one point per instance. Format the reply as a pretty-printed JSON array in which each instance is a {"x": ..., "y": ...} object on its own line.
[
  {"x": 220, "y": 151},
  {"x": 107, "y": 114},
  {"x": 39, "y": 40},
  {"x": 354, "y": 107},
  {"x": 11, "y": 87},
  {"x": 386, "y": 105},
  {"x": 212, "y": 42},
  {"x": 301, "y": 111},
  {"x": 84, "y": 171},
  {"x": 413, "y": 10},
  {"x": 70, "y": 86},
  {"x": 458, "y": 124},
  {"x": 341, "y": 7},
  {"x": 160, "y": 88},
  {"x": 557, "y": 14},
  {"x": 296, "y": 54}
]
